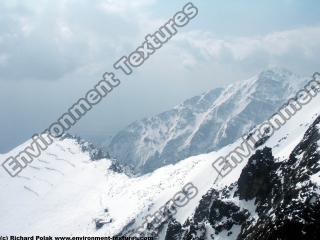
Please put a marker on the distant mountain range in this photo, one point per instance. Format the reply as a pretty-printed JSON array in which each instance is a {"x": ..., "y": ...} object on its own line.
[{"x": 203, "y": 123}]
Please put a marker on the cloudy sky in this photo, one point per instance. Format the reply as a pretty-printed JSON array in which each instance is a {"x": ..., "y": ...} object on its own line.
[{"x": 52, "y": 52}]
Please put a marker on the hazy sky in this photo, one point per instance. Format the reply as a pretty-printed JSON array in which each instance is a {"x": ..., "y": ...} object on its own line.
[{"x": 52, "y": 52}]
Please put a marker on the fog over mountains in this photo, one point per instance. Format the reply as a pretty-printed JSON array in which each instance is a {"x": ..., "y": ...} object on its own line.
[{"x": 203, "y": 123}]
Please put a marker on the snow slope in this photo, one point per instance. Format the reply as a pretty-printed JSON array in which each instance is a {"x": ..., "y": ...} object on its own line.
[
  {"x": 64, "y": 191},
  {"x": 273, "y": 198},
  {"x": 203, "y": 123}
]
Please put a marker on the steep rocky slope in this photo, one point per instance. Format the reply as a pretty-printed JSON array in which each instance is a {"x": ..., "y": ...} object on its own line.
[
  {"x": 203, "y": 123},
  {"x": 73, "y": 189}
]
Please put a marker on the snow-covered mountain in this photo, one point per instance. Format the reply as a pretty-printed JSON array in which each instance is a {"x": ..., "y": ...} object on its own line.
[
  {"x": 272, "y": 199},
  {"x": 273, "y": 194},
  {"x": 73, "y": 190},
  {"x": 203, "y": 123}
]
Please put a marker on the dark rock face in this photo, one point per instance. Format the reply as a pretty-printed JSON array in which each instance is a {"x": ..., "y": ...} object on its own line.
[
  {"x": 214, "y": 209},
  {"x": 257, "y": 178},
  {"x": 223, "y": 209},
  {"x": 285, "y": 195},
  {"x": 296, "y": 222},
  {"x": 174, "y": 231},
  {"x": 293, "y": 210}
]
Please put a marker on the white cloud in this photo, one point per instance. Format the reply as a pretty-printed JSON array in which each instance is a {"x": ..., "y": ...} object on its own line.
[
  {"x": 304, "y": 41},
  {"x": 123, "y": 6},
  {"x": 48, "y": 40},
  {"x": 55, "y": 39}
]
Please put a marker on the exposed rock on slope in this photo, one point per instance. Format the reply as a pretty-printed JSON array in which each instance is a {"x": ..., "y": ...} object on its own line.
[
  {"x": 203, "y": 123},
  {"x": 285, "y": 196}
]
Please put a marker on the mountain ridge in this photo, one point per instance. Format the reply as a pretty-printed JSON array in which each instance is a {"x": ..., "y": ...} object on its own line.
[{"x": 203, "y": 123}]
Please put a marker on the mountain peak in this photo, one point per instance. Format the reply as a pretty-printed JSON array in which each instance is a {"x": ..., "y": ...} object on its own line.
[
  {"x": 277, "y": 74},
  {"x": 203, "y": 123}
]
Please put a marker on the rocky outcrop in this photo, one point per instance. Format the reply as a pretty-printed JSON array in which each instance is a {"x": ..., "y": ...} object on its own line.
[{"x": 285, "y": 196}]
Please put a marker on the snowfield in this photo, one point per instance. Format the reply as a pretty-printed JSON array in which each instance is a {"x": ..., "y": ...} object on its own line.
[{"x": 63, "y": 192}]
